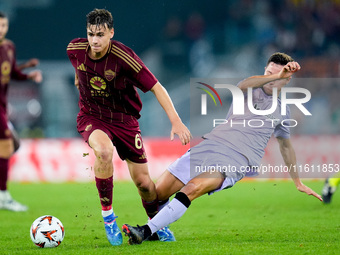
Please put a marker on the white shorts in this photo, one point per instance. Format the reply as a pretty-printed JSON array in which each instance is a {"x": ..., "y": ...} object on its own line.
[{"x": 210, "y": 156}]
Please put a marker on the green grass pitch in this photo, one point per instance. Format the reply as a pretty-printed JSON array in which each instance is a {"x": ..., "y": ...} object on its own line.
[{"x": 269, "y": 217}]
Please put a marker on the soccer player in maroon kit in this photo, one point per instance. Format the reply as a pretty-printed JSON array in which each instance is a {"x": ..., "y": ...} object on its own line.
[
  {"x": 108, "y": 74},
  {"x": 9, "y": 70}
]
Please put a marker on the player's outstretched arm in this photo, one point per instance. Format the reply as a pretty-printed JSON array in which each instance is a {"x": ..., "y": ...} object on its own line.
[
  {"x": 289, "y": 157},
  {"x": 178, "y": 127},
  {"x": 259, "y": 80},
  {"x": 30, "y": 63}
]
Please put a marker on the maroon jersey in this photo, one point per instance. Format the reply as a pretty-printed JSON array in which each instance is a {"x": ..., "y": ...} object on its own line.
[
  {"x": 8, "y": 70},
  {"x": 107, "y": 86}
]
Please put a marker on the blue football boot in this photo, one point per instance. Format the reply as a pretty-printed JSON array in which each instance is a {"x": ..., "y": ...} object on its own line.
[
  {"x": 166, "y": 235},
  {"x": 113, "y": 233}
]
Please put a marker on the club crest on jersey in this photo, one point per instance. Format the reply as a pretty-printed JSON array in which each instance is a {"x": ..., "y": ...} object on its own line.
[
  {"x": 98, "y": 83},
  {"x": 5, "y": 68},
  {"x": 109, "y": 74}
]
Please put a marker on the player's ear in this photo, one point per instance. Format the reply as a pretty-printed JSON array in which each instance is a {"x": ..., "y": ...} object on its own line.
[{"x": 112, "y": 33}]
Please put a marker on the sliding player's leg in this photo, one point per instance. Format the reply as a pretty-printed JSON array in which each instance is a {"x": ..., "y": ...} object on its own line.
[
  {"x": 198, "y": 186},
  {"x": 167, "y": 185}
]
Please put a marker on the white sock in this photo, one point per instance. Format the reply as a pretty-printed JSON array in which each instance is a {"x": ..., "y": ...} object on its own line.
[
  {"x": 169, "y": 214},
  {"x": 107, "y": 213},
  {"x": 161, "y": 207},
  {"x": 4, "y": 195}
]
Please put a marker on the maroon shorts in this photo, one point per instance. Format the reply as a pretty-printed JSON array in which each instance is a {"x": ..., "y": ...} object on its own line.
[
  {"x": 125, "y": 135},
  {"x": 5, "y": 132}
]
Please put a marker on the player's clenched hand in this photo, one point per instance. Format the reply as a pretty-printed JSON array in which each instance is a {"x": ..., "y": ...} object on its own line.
[
  {"x": 182, "y": 131},
  {"x": 35, "y": 76},
  {"x": 308, "y": 191},
  {"x": 288, "y": 70}
]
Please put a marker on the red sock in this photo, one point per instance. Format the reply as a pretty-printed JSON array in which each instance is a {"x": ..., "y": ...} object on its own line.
[
  {"x": 151, "y": 207},
  {"x": 105, "y": 188},
  {"x": 3, "y": 173}
]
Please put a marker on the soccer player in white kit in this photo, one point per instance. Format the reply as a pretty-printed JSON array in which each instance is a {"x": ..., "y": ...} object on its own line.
[{"x": 227, "y": 145}]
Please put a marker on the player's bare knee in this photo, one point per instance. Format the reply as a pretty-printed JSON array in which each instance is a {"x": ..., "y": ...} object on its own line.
[
  {"x": 5, "y": 154},
  {"x": 104, "y": 154},
  {"x": 6, "y": 149}
]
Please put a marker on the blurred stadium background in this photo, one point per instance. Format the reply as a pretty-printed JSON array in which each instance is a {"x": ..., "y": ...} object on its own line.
[{"x": 177, "y": 40}]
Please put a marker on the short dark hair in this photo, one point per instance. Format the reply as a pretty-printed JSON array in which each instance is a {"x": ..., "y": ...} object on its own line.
[
  {"x": 3, "y": 15},
  {"x": 99, "y": 17},
  {"x": 280, "y": 58}
]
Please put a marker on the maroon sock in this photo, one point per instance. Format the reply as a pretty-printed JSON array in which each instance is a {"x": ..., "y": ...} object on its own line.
[
  {"x": 151, "y": 207},
  {"x": 105, "y": 188},
  {"x": 3, "y": 173}
]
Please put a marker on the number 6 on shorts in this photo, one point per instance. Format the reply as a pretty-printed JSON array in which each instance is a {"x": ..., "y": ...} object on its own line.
[{"x": 138, "y": 141}]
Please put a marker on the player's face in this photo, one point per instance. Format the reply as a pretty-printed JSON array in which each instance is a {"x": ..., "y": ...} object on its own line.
[
  {"x": 273, "y": 68},
  {"x": 99, "y": 39},
  {"x": 3, "y": 28}
]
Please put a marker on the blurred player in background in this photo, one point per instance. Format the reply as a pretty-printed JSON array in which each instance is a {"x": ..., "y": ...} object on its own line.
[
  {"x": 16, "y": 140},
  {"x": 30, "y": 63},
  {"x": 330, "y": 187},
  {"x": 108, "y": 74},
  {"x": 9, "y": 142},
  {"x": 241, "y": 147}
]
